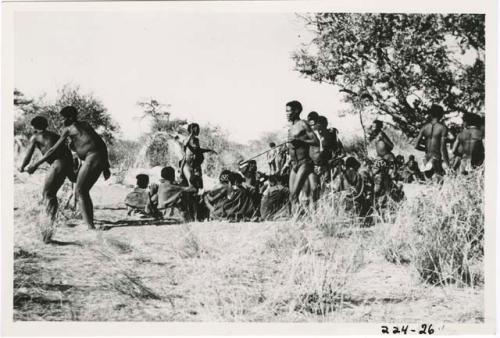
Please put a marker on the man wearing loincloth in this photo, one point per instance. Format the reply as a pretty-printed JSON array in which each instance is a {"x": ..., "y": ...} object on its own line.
[
  {"x": 433, "y": 137},
  {"x": 91, "y": 149},
  {"x": 470, "y": 142},
  {"x": 300, "y": 138}
]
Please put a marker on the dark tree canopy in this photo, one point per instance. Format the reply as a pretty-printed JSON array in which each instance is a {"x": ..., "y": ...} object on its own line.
[
  {"x": 382, "y": 61},
  {"x": 90, "y": 109}
]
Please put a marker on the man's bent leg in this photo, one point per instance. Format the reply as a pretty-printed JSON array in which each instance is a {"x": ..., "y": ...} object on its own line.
[
  {"x": 87, "y": 176},
  {"x": 53, "y": 181}
]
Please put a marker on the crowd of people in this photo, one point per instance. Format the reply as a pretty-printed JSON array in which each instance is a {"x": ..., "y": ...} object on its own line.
[{"x": 310, "y": 164}]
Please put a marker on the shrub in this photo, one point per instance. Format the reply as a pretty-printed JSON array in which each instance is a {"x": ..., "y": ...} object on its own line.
[{"x": 443, "y": 227}]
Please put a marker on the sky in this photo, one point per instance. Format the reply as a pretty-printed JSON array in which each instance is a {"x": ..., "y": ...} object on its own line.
[{"x": 228, "y": 69}]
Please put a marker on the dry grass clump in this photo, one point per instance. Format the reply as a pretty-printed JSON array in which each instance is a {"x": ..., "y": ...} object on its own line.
[
  {"x": 314, "y": 282},
  {"x": 334, "y": 216},
  {"x": 441, "y": 231}
]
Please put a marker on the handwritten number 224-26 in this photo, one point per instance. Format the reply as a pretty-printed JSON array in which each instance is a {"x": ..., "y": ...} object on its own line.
[{"x": 404, "y": 329}]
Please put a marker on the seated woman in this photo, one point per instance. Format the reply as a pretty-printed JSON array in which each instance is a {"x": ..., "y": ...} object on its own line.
[
  {"x": 275, "y": 200},
  {"x": 239, "y": 205},
  {"x": 216, "y": 197},
  {"x": 174, "y": 195},
  {"x": 359, "y": 185}
]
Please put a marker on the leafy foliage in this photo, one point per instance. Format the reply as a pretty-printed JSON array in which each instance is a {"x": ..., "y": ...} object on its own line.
[
  {"x": 90, "y": 109},
  {"x": 384, "y": 61}
]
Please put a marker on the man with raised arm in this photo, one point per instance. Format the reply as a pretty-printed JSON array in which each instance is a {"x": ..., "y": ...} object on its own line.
[
  {"x": 91, "y": 149},
  {"x": 61, "y": 162},
  {"x": 433, "y": 136},
  {"x": 193, "y": 158},
  {"x": 300, "y": 138}
]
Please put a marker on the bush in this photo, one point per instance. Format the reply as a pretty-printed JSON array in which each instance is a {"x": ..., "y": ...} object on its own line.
[
  {"x": 443, "y": 228},
  {"x": 122, "y": 156}
]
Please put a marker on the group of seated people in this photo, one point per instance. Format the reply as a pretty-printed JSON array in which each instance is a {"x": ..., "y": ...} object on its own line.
[
  {"x": 236, "y": 197},
  {"x": 249, "y": 195}
]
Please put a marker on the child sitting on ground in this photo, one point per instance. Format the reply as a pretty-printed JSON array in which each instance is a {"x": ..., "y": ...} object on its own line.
[{"x": 140, "y": 201}]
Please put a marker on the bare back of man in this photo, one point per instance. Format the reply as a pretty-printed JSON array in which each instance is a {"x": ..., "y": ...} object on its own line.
[
  {"x": 61, "y": 166},
  {"x": 471, "y": 142},
  {"x": 435, "y": 147}
]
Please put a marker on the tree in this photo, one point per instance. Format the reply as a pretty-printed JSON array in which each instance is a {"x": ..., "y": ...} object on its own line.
[
  {"x": 90, "y": 109},
  {"x": 386, "y": 61}
]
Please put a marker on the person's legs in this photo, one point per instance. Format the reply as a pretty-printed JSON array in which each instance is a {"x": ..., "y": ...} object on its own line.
[
  {"x": 187, "y": 171},
  {"x": 313, "y": 181},
  {"x": 53, "y": 181},
  {"x": 291, "y": 184},
  {"x": 87, "y": 176},
  {"x": 300, "y": 178}
]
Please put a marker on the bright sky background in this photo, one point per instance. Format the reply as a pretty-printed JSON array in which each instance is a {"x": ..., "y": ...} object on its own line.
[{"x": 232, "y": 70}]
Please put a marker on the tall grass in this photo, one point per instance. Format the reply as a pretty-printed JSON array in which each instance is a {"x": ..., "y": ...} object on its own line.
[{"x": 440, "y": 231}]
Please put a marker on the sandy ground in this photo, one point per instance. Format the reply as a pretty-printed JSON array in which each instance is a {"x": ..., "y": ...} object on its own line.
[{"x": 214, "y": 272}]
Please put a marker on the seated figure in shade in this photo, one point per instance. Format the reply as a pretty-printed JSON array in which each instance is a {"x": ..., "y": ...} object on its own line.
[
  {"x": 275, "y": 200},
  {"x": 240, "y": 205},
  {"x": 216, "y": 197},
  {"x": 173, "y": 195},
  {"x": 142, "y": 201}
]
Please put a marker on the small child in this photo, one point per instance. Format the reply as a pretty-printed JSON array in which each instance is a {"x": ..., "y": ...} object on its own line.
[{"x": 137, "y": 200}]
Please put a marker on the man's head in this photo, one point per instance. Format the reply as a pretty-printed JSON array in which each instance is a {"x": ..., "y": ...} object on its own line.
[
  {"x": 235, "y": 179},
  {"x": 377, "y": 125},
  {"x": 312, "y": 119},
  {"x": 40, "y": 123},
  {"x": 411, "y": 158},
  {"x": 142, "y": 181},
  {"x": 69, "y": 113},
  {"x": 352, "y": 164},
  {"x": 272, "y": 145},
  {"x": 400, "y": 159},
  {"x": 322, "y": 123},
  {"x": 224, "y": 176},
  {"x": 436, "y": 112},
  {"x": 375, "y": 128},
  {"x": 249, "y": 168},
  {"x": 293, "y": 110},
  {"x": 168, "y": 173},
  {"x": 194, "y": 128}
]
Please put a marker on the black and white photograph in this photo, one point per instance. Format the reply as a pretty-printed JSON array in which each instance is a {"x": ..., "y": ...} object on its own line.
[{"x": 249, "y": 165}]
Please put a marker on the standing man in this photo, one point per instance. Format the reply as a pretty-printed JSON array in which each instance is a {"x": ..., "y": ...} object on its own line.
[
  {"x": 272, "y": 158},
  {"x": 433, "y": 135},
  {"x": 61, "y": 163},
  {"x": 91, "y": 149},
  {"x": 300, "y": 138},
  {"x": 470, "y": 141},
  {"x": 327, "y": 150},
  {"x": 383, "y": 143}
]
